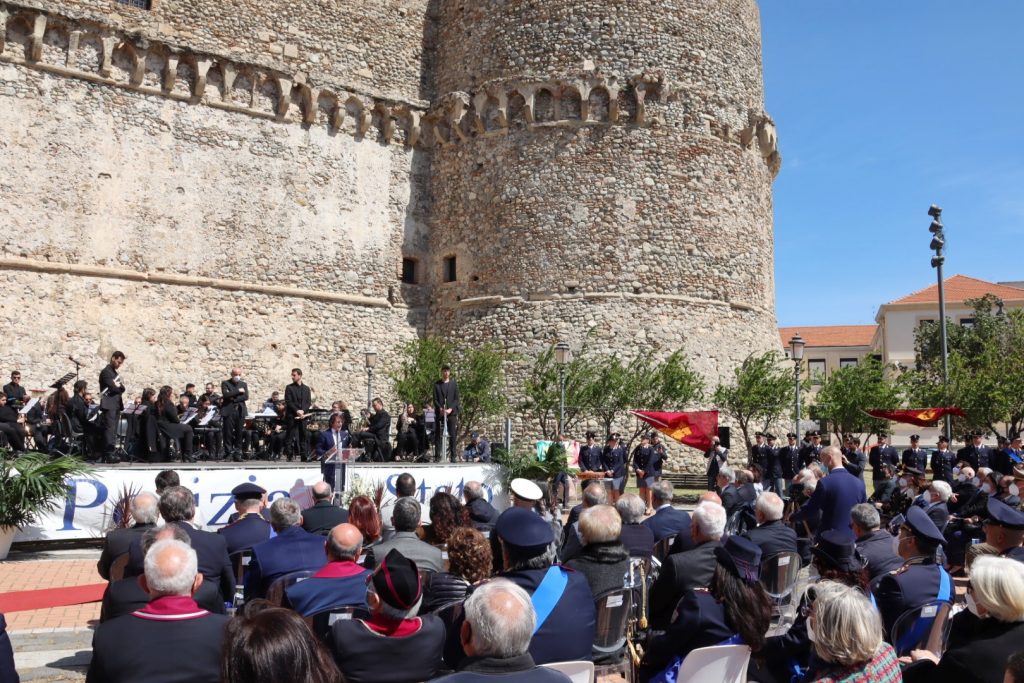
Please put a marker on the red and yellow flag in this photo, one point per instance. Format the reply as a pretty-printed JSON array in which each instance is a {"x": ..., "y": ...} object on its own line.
[
  {"x": 922, "y": 417},
  {"x": 694, "y": 429}
]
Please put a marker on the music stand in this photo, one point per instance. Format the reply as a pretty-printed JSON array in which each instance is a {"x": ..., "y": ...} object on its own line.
[{"x": 63, "y": 380}]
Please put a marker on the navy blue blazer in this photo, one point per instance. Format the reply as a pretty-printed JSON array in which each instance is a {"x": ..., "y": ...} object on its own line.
[
  {"x": 245, "y": 532},
  {"x": 325, "y": 441},
  {"x": 568, "y": 632},
  {"x": 293, "y": 550},
  {"x": 910, "y": 586},
  {"x": 667, "y": 522},
  {"x": 211, "y": 555},
  {"x": 773, "y": 538},
  {"x": 835, "y": 496}
]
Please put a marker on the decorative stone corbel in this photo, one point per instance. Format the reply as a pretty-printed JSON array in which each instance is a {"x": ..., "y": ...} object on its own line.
[
  {"x": 170, "y": 72},
  {"x": 412, "y": 131},
  {"x": 4, "y": 16},
  {"x": 229, "y": 77},
  {"x": 35, "y": 44},
  {"x": 284, "y": 89},
  {"x": 640, "y": 93},
  {"x": 529, "y": 92},
  {"x": 202, "y": 69},
  {"x": 74, "y": 38},
  {"x": 308, "y": 98},
  {"x": 138, "y": 68},
  {"x": 457, "y": 108},
  {"x": 109, "y": 42},
  {"x": 363, "y": 121}
]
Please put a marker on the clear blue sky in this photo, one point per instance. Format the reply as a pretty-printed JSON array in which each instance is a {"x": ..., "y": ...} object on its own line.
[{"x": 883, "y": 108}]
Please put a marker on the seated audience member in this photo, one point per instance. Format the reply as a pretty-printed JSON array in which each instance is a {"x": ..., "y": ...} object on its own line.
[
  {"x": 1015, "y": 668},
  {"x": 495, "y": 636},
  {"x": 405, "y": 487},
  {"x": 446, "y": 515},
  {"x": 145, "y": 513},
  {"x": 876, "y": 546},
  {"x": 572, "y": 545},
  {"x": 887, "y": 485},
  {"x": 249, "y": 491},
  {"x": 177, "y": 506},
  {"x": 848, "y": 638},
  {"x": 7, "y": 670},
  {"x": 771, "y": 534},
  {"x": 637, "y": 538},
  {"x": 293, "y": 550},
  {"x": 363, "y": 514},
  {"x": 266, "y": 644},
  {"x": 734, "y": 609},
  {"x": 339, "y": 583},
  {"x": 324, "y": 515},
  {"x": 127, "y": 595},
  {"x": 394, "y": 645},
  {"x": 1005, "y": 530},
  {"x": 985, "y": 634},
  {"x": 405, "y": 519},
  {"x": 935, "y": 498},
  {"x": 482, "y": 514},
  {"x": 165, "y": 479},
  {"x": 469, "y": 562},
  {"x": 604, "y": 562},
  {"x": 250, "y": 527},
  {"x": 728, "y": 490},
  {"x": 690, "y": 569},
  {"x": 170, "y": 639},
  {"x": 666, "y": 521}
]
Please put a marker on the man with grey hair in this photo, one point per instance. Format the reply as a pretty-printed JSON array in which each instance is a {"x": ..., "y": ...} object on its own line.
[
  {"x": 482, "y": 514},
  {"x": 691, "y": 569},
  {"x": 637, "y": 538},
  {"x": 496, "y": 637},
  {"x": 339, "y": 583},
  {"x": 293, "y": 550},
  {"x": 572, "y": 544},
  {"x": 604, "y": 561},
  {"x": 876, "y": 545},
  {"x": 171, "y": 638},
  {"x": 727, "y": 489},
  {"x": 666, "y": 521},
  {"x": 936, "y": 497},
  {"x": 771, "y": 534},
  {"x": 118, "y": 542},
  {"x": 834, "y": 496},
  {"x": 324, "y": 515},
  {"x": 405, "y": 517}
]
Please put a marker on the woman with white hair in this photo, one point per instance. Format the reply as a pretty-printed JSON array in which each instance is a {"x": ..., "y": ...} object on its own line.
[
  {"x": 986, "y": 633},
  {"x": 847, "y": 634}
]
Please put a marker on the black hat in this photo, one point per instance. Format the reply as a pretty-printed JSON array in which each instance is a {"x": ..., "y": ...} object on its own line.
[
  {"x": 741, "y": 557},
  {"x": 655, "y": 435},
  {"x": 591, "y": 435},
  {"x": 524, "y": 530},
  {"x": 791, "y": 435},
  {"x": 976, "y": 434},
  {"x": 838, "y": 550},
  {"x": 758, "y": 433},
  {"x": 397, "y": 581},
  {"x": 474, "y": 435},
  {"x": 816, "y": 433},
  {"x": 645, "y": 436},
  {"x": 770, "y": 437},
  {"x": 248, "y": 491},
  {"x": 1001, "y": 514},
  {"x": 923, "y": 527},
  {"x": 913, "y": 470},
  {"x": 943, "y": 439},
  {"x": 915, "y": 437}
]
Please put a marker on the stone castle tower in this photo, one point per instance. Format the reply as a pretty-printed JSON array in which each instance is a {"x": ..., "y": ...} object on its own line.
[{"x": 202, "y": 184}]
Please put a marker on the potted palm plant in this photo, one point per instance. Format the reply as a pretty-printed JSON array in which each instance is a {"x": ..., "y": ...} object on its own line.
[{"x": 30, "y": 485}]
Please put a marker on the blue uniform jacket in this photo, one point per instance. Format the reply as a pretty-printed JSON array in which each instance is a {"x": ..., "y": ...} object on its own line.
[
  {"x": 293, "y": 550},
  {"x": 245, "y": 532},
  {"x": 614, "y": 460},
  {"x": 339, "y": 584},
  {"x": 590, "y": 458},
  {"x": 701, "y": 623},
  {"x": 880, "y": 456},
  {"x": 835, "y": 496},
  {"x": 942, "y": 465},
  {"x": 646, "y": 458},
  {"x": 666, "y": 522},
  {"x": 568, "y": 632},
  {"x": 910, "y": 586}
]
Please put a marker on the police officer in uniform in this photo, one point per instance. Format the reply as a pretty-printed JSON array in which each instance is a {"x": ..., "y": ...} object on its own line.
[
  {"x": 773, "y": 475},
  {"x": 249, "y": 528},
  {"x": 915, "y": 456},
  {"x": 920, "y": 580},
  {"x": 811, "y": 451},
  {"x": 943, "y": 461},
  {"x": 590, "y": 455},
  {"x": 1005, "y": 529},
  {"x": 789, "y": 461},
  {"x": 880, "y": 454},
  {"x": 976, "y": 453},
  {"x": 760, "y": 452}
]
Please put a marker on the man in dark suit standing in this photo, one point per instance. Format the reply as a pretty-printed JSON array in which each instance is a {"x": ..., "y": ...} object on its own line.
[
  {"x": 234, "y": 393},
  {"x": 298, "y": 398},
  {"x": 111, "y": 403},
  {"x": 770, "y": 534},
  {"x": 760, "y": 452},
  {"x": 118, "y": 541},
  {"x": 915, "y": 456},
  {"x": 811, "y": 451},
  {"x": 293, "y": 549},
  {"x": 716, "y": 456},
  {"x": 789, "y": 461},
  {"x": 880, "y": 454},
  {"x": 666, "y": 521},
  {"x": 324, "y": 515},
  {"x": 446, "y": 407},
  {"x": 834, "y": 496}
]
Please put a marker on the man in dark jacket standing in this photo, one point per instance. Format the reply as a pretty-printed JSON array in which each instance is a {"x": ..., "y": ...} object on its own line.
[
  {"x": 446, "y": 408},
  {"x": 234, "y": 393},
  {"x": 111, "y": 403},
  {"x": 298, "y": 398}
]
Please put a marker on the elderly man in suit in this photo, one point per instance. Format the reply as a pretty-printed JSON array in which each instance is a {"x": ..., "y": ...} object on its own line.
[
  {"x": 666, "y": 521},
  {"x": 145, "y": 512},
  {"x": 691, "y": 569},
  {"x": 771, "y": 534},
  {"x": 324, "y": 515},
  {"x": 293, "y": 550},
  {"x": 341, "y": 582},
  {"x": 876, "y": 545},
  {"x": 834, "y": 496},
  {"x": 406, "y": 519}
]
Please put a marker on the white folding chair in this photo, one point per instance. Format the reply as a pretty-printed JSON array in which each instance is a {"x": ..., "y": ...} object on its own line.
[
  {"x": 717, "y": 664},
  {"x": 578, "y": 672}
]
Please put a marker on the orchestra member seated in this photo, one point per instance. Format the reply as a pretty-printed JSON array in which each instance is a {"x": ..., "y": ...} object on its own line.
[
  {"x": 210, "y": 436},
  {"x": 375, "y": 439},
  {"x": 12, "y": 425},
  {"x": 83, "y": 417},
  {"x": 183, "y": 404},
  {"x": 408, "y": 441},
  {"x": 167, "y": 423}
]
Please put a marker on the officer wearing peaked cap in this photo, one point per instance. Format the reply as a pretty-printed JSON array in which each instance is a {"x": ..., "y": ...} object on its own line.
[
  {"x": 915, "y": 456},
  {"x": 1004, "y": 529},
  {"x": 249, "y": 527},
  {"x": 920, "y": 580}
]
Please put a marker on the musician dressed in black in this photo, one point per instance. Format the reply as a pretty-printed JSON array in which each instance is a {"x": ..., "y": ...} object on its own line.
[
  {"x": 210, "y": 436},
  {"x": 168, "y": 424},
  {"x": 82, "y": 415},
  {"x": 446, "y": 407},
  {"x": 375, "y": 439},
  {"x": 12, "y": 425},
  {"x": 111, "y": 403},
  {"x": 298, "y": 399},
  {"x": 233, "y": 410},
  {"x": 14, "y": 392},
  {"x": 211, "y": 394}
]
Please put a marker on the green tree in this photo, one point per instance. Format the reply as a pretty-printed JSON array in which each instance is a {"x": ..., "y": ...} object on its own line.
[
  {"x": 986, "y": 369},
  {"x": 760, "y": 394},
  {"x": 849, "y": 391},
  {"x": 479, "y": 371},
  {"x": 541, "y": 391}
]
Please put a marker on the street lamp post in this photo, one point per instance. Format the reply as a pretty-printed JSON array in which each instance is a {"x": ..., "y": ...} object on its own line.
[
  {"x": 563, "y": 354},
  {"x": 371, "y": 360},
  {"x": 937, "y": 245},
  {"x": 796, "y": 348}
]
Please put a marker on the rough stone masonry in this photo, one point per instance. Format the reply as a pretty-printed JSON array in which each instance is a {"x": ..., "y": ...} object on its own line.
[{"x": 271, "y": 184}]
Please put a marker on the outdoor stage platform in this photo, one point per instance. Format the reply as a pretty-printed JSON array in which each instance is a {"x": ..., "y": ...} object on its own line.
[{"x": 90, "y": 507}]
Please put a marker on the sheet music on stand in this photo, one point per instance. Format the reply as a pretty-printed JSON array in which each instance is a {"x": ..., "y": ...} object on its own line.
[
  {"x": 28, "y": 406},
  {"x": 63, "y": 380},
  {"x": 189, "y": 415},
  {"x": 210, "y": 414},
  {"x": 135, "y": 410}
]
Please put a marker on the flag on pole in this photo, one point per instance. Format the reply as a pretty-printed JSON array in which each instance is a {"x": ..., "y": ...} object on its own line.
[
  {"x": 694, "y": 429},
  {"x": 922, "y": 417}
]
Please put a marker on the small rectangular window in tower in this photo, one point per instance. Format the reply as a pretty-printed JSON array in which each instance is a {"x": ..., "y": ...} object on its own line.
[
  {"x": 139, "y": 4},
  {"x": 449, "y": 269},
  {"x": 409, "y": 271}
]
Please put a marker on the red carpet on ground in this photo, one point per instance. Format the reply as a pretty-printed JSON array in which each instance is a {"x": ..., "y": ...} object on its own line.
[{"x": 21, "y": 601}]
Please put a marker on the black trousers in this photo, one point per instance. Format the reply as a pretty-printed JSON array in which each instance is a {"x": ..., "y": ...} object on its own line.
[
  {"x": 213, "y": 441},
  {"x": 453, "y": 427},
  {"x": 298, "y": 436},
  {"x": 231, "y": 424},
  {"x": 110, "y": 418},
  {"x": 15, "y": 435}
]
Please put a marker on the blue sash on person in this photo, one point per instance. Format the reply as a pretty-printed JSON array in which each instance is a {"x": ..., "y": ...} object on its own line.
[
  {"x": 670, "y": 673},
  {"x": 923, "y": 624},
  {"x": 548, "y": 593},
  {"x": 1013, "y": 456}
]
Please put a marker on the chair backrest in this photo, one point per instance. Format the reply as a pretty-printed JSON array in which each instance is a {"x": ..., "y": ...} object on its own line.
[
  {"x": 923, "y": 628},
  {"x": 321, "y": 622},
  {"x": 779, "y": 574},
  {"x": 426, "y": 575},
  {"x": 717, "y": 664},
  {"x": 275, "y": 593},
  {"x": 578, "y": 672},
  {"x": 240, "y": 561},
  {"x": 662, "y": 547},
  {"x": 614, "y": 609},
  {"x": 118, "y": 566}
]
